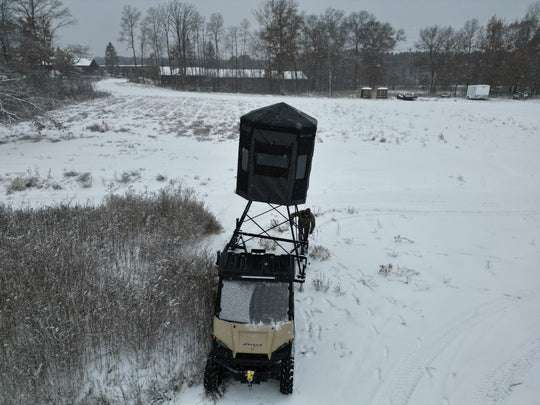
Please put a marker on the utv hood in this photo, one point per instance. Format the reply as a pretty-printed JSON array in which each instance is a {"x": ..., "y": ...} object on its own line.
[{"x": 253, "y": 339}]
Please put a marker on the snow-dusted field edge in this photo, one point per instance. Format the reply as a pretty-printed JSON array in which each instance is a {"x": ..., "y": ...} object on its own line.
[{"x": 447, "y": 191}]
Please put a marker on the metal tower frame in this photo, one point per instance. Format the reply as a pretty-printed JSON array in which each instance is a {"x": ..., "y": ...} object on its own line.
[{"x": 291, "y": 246}]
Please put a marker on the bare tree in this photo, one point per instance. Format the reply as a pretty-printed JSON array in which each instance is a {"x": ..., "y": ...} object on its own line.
[
  {"x": 245, "y": 38},
  {"x": 467, "y": 44},
  {"x": 494, "y": 56},
  {"x": 143, "y": 43},
  {"x": 217, "y": 31},
  {"x": 183, "y": 18},
  {"x": 280, "y": 33},
  {"x": 28, "y": 56},
  {"x": 165, "y": 27},
  {"x": 358, "y": 25},
  {"x": 232, "y": 44},
  {"x": 154, "y": 34},
  {"x": 37, "y": 24},
  {"x": 449, "y": 69},
  {"x": 7, "y": 31},
  {"x": 312, "y": 53},
  {"x": 199, "y": 40},
  {"x": 128, "y": 28},
  {"x": 44, "y": 17},
  {"x": 334, "y": 37},
  {"x": 533, "y": 20},
  {"x": 524, "y": 48},
  {"x": 434, "y": 43},
  {"x": 371, "y": 40}
]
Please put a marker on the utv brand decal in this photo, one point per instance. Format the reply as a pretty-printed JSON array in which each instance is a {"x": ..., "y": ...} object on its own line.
[{"x": 253, "y": 344}]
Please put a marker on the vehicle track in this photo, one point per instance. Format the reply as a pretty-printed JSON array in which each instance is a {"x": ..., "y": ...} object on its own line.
[
  {"x": 507, "y": 375},
  {"x": 402, "y": 381}
]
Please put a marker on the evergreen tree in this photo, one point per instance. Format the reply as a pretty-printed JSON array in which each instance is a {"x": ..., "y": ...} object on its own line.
[
  {"x": 111, "y": 59},
  {"x": 210, "y": 56}
]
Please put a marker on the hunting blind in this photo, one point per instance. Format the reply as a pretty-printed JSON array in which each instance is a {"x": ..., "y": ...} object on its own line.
[{"x": 274, "y": 155}]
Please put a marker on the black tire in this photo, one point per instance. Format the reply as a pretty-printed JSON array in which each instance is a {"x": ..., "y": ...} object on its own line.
[
  {"x": 211, "y": 375},
  {"x": 286, "y": 376}
]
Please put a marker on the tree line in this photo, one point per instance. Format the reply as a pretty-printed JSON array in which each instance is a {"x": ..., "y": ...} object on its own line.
[
  {"x": 335, "y": 50},
  {"x": 505, "y": 56},
  {"x": 32, "y": 67},
  {"x": 286, "y": 40}
]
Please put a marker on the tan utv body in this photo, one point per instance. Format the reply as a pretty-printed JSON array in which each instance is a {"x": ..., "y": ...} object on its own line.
[
  {"x": 253, "y": 326},
  {"x": 253, "y": 339}
]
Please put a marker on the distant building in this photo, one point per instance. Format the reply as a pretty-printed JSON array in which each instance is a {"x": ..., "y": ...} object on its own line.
[
  {"x": 87, "y": 66},
  {"x": 382, "y": 92},
  {"x": 366, "y": 92},
  {"x": 231, "y": 73},
  {"x": 235, "y": 80}
]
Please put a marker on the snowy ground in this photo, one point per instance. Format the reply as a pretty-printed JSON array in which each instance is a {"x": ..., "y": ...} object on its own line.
[{"x": 447, "y": 191}]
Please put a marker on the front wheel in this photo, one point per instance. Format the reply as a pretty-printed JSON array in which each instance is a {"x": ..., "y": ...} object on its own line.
[
  {"x": 211, "y": 374},
  {"x": 286, "y": 376}
]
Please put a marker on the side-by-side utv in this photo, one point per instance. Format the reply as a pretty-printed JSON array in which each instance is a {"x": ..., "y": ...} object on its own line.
[{"x": 253, "y": 328}]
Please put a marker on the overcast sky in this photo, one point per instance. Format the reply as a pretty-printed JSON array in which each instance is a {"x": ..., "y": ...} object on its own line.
[{"x": 98, "y": 21}]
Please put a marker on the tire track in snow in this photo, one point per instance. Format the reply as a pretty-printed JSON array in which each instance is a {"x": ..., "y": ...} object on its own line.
[
  {"x": 398, "y": 388},
  {"x": 376, "y": 212},
  {"x": 507, "y": 375}
]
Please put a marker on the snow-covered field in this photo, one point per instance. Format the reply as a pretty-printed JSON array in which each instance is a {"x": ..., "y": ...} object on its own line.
[{"x": 446, "y": 191}]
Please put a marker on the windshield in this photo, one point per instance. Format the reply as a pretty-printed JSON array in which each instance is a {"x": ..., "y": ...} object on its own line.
[{"x": 254, "y": 302}]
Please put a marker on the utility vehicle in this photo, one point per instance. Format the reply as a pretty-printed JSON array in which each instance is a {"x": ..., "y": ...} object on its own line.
[{"x": 253, "y": 326}]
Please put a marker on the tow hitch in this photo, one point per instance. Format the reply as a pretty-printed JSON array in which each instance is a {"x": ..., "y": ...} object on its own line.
[{"x": 249, "y": 377}]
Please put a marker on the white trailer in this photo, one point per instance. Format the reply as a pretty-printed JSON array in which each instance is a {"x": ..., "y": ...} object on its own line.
[{"x": 478, "y": 92}]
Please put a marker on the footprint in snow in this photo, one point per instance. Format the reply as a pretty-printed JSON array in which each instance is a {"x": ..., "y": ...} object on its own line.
[{"x": 307, "y": 351}]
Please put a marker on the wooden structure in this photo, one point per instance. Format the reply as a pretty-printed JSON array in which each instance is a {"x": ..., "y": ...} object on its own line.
[
  {"x": 87, "y": 66},
  {"x": 382, "y": 92},
  {"x": 366, "y": 92}
]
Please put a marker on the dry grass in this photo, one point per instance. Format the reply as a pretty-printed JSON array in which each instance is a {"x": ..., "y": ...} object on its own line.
[
  {"x": 85, "y": 289},
  {"x": 321, "y": 283},
  {"x": 31, "y": 180},
  {"x": 401, "y": 274},
  {"x": 319, "y": 252}
]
